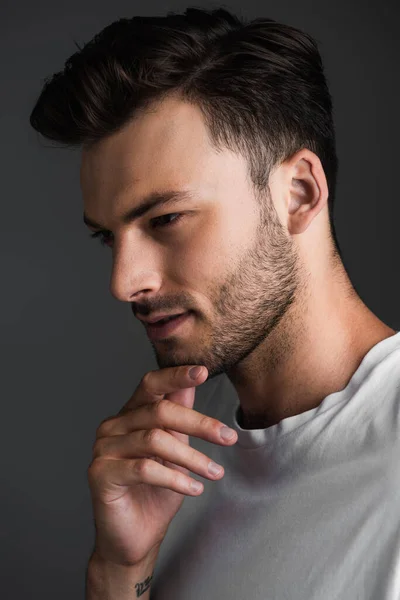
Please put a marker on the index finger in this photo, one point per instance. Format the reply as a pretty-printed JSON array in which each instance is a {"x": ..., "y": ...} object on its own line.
[
  {"x": 171, "y": 417},
  {"x": 154, "y": 385}
]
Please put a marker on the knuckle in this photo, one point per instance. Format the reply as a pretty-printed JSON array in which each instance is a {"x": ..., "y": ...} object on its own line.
[
  {"x": 181, "y": 375},
  {"x": 103, "y": 428},
  {"x": 143, "y": 466},
  {"x": 99, "y": 447},
  {"x": 152, "y": 436},
  {"x": 160, "y": 408},
  {"x": 146, "y": 379},
  {"x": 197, "y": 458},
  {"x": 206, "y": 422},
  {"x": 94, "y": 469},
  {"x": 176, "y": 375},
  {"x": 179, "y": 480}
]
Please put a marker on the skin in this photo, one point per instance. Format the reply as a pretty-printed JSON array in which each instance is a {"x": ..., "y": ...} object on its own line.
[{"x": 272, "y": 308}]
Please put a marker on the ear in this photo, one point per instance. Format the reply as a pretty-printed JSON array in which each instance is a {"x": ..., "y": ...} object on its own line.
[{"x": 307, "y": 190}]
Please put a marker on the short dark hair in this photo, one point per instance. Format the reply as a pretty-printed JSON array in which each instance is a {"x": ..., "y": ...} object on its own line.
[{"x": 260, "y": 86}]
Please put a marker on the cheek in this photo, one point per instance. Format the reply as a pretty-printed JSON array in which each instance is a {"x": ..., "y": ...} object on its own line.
[
  {"x": 210, "y": 249},
  {"x": 204, "y": 260}
]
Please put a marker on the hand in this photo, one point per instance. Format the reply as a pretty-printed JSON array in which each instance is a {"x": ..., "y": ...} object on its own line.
[{"x": 138, "y": 477}]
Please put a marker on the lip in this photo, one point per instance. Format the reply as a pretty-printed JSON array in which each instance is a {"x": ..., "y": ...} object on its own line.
[
  {"x": 158, "y": 318},
  {"x": 158, "y": 332}
]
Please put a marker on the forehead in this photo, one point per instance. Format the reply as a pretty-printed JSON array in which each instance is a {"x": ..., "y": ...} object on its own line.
[
  {"x": 166, "y": 145},
  {"x": 166, "y": 148}
]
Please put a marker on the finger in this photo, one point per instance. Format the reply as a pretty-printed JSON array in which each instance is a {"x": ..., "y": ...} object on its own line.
[
  {"x": 156, "y": 384},
  {"x": 105, "y": 474},
  {"x": 164, "y": 414},
  {"x": 158, "y": 443}
]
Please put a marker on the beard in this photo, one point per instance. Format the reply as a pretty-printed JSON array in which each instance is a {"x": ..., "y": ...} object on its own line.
[{"x": 249, "y": 305}]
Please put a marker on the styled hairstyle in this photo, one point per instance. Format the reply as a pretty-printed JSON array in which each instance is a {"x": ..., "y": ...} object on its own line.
[{"x": 260, "y": 86}]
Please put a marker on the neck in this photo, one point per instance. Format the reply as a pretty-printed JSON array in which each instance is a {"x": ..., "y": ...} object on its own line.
[{"x": 311, "y": 353}]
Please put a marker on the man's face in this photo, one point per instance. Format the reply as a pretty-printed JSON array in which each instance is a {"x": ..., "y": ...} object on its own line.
[{"x": 226, "y": 260}]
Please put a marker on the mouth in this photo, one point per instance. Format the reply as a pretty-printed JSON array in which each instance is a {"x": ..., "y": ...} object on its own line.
[
  {"x": 164, "y": 320},
  {"x": 164, "y": 327}
]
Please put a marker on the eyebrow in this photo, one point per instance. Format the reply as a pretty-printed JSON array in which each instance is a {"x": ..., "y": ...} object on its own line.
[{"x": 151, "y": 201}]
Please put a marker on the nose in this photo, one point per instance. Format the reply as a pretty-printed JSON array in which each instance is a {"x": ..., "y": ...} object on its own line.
[{"x": 131, "y": 277}]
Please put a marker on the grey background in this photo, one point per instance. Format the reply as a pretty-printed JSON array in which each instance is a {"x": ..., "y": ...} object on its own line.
[{"x": 71, "y": 353}]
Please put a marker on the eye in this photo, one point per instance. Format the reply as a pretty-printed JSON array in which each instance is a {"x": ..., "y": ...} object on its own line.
[
  {"x": 157, "y": 219},
  {"x": 104, "y": 235}
]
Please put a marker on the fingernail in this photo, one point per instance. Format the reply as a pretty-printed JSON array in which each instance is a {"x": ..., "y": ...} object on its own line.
[
  {"x": 227, "y": 433},
  {"x": 214, "y": 469},
  {"x": 196, "y": 486},
  {"x": 194, "y": 372}
]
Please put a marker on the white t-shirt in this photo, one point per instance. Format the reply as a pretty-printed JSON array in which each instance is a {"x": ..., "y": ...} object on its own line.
[{"x": 308, "y": 509}]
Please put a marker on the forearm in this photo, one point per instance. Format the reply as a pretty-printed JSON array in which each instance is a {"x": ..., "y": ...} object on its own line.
[{"x": 108, "y": 581}]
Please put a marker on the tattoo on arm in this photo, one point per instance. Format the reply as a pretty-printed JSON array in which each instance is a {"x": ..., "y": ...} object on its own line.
[{"x": 142, "y": 587}]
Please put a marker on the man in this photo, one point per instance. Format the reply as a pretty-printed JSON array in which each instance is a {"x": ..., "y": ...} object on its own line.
[{"x": 236, "y": 121}]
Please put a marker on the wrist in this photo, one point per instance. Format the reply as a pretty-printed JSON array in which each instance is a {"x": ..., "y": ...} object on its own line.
[{"x": 106, "y": 579}]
